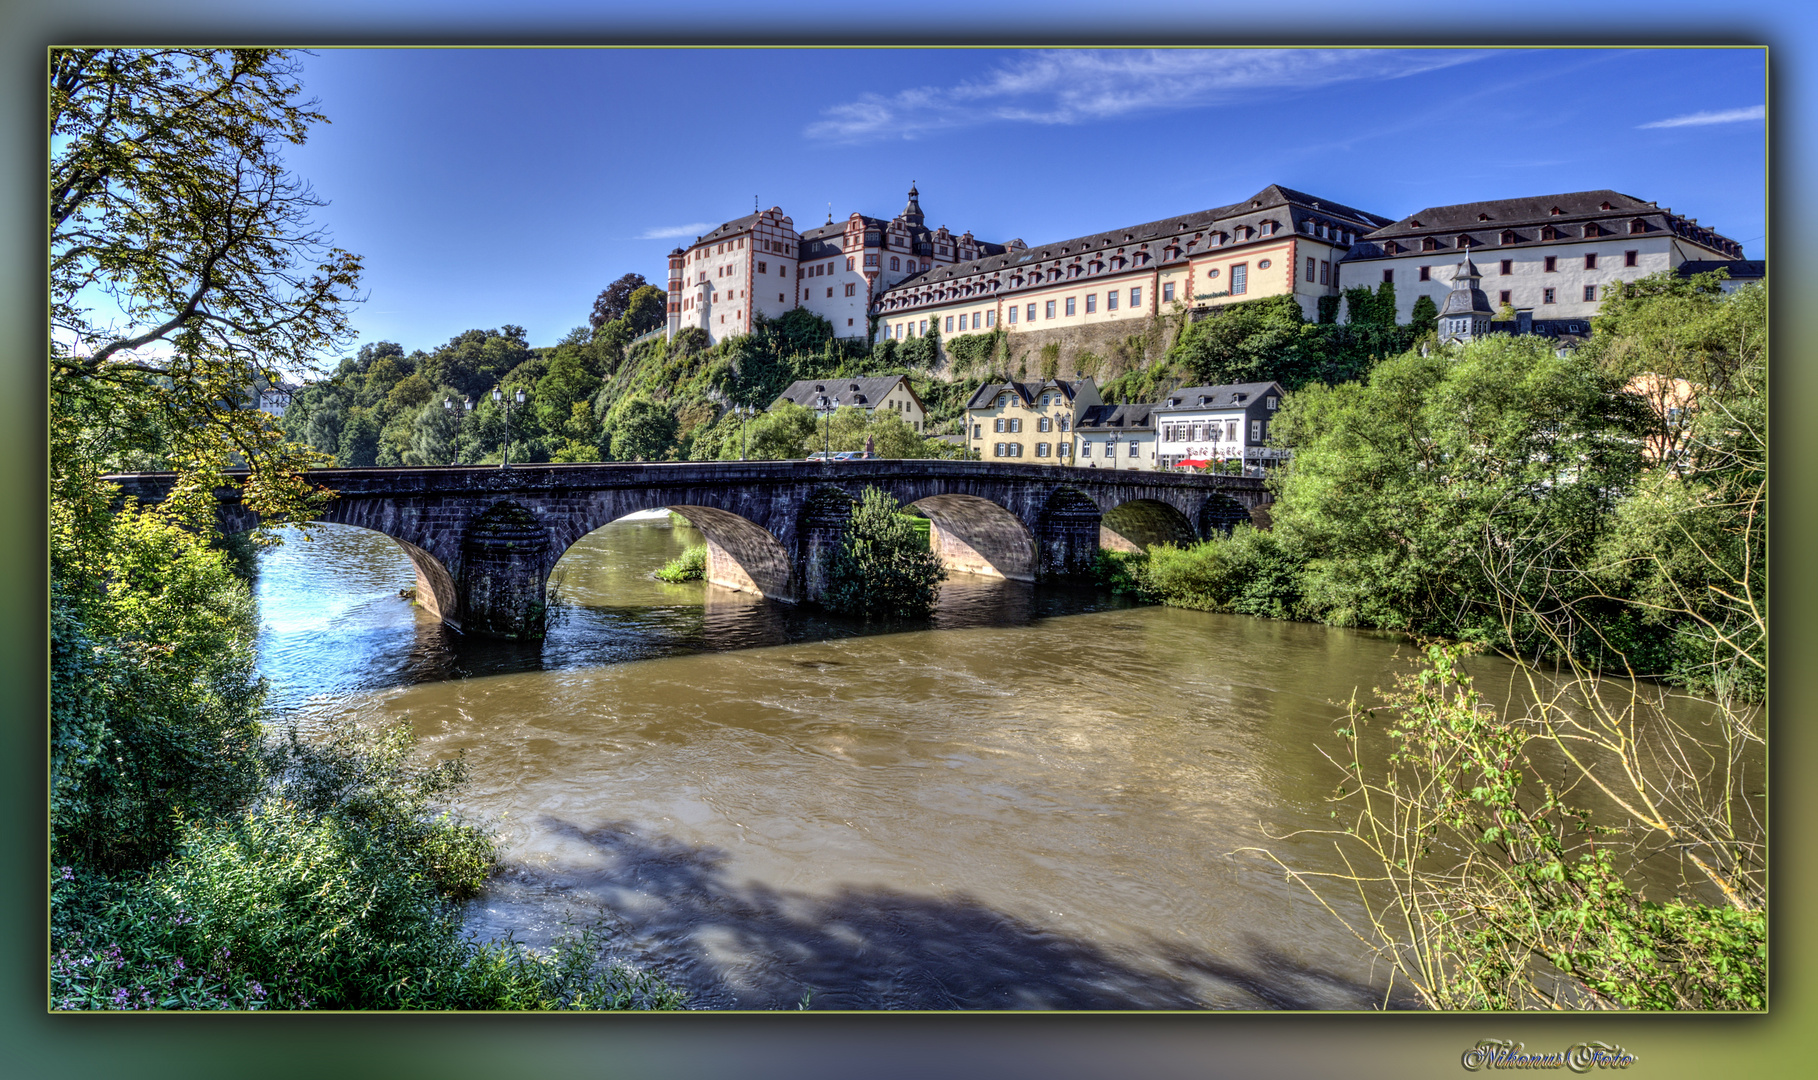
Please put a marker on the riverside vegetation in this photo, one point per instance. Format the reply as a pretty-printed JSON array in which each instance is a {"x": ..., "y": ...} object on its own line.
[
  {"x": 1601, "y": 520},
  {"x": 200, "y": 860}
]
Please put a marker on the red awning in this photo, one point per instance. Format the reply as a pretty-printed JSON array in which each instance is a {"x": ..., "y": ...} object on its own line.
[{"x": 1193, "y": 463}]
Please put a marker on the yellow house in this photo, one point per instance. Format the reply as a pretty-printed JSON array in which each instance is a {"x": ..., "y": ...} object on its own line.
[
  {"x": 872, "y": 393},
  {"x": 1028, "y": 421}
]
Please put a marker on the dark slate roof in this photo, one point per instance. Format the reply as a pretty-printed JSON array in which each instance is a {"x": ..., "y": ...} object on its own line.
[
  {"x": 1484, "y": 223},
  {"x": 864, "y": 392},
  {"x": 731, "y": 228},
  {"x": 1739, "y": 269},
  {"x": 1217, "y": 397},
  {"x": 982, "y": 398},
  {"x": 1286, "y": 206},
  {"x": 1466, "y": 297},
  {"x": 1132, "y": 417}
]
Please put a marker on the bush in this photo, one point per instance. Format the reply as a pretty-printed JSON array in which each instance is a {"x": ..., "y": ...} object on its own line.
[
  {"x": 883, "y": 568},
  {"x": 690, "y": 565},
  {"x": 1247, "y": 572}
]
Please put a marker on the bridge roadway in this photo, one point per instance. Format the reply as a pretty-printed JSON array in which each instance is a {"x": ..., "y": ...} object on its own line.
[{"x": 484, "y": 539}]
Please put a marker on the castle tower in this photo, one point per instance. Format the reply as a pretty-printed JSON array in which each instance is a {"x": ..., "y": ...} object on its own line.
[
  {"x": 912, "y": 212},
  {"x": 675, "y": 292},
  {"x": 1467, "y": 310}
]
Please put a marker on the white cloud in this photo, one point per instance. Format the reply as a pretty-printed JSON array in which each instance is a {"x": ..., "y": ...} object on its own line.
[
  {"x": 667, "y": 232},
  {"x": 1077, "y": 86},
  {"x": 1723, "y": 116}
]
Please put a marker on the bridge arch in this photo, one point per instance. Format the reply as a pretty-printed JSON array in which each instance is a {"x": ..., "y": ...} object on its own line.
[
  {"x": 1220, "y": 514},
  {"x": 436, "y": 590},
  {"x": 1139, "y": 524},
  {"x": 741, "y": 554},
  {"x": 973, "y": 535}
]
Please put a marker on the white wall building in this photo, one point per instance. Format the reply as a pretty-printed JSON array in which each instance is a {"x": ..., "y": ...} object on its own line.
[
  {"x": 1217, "y": 423},
  {"x": 1555, "y": 255}
]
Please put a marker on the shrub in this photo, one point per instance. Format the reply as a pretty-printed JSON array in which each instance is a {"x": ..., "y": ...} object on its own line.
[
  {"x": 883, "y": 568},
  {"x": 690, "y": 565}
]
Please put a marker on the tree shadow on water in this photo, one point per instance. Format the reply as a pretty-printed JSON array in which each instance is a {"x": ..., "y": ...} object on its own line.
[{"x": 751, "y": 946}]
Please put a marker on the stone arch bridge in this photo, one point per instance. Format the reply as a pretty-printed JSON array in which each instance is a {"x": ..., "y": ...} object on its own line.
[{"x": 484, "y": 539}]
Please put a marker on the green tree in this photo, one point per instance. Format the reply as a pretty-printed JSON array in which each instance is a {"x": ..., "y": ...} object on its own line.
[
  {"x": 647, "y": 310},
  {"x": 183, "y": 261},
  {"x": 614, "y": 300},
  {"x": 883, "y": 568},
  {"x": 645, "y": 431},
  {"x": 1425, "y": 315}
]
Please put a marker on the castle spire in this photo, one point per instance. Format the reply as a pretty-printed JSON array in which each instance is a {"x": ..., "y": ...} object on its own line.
[{"x": 912, "y": 212}]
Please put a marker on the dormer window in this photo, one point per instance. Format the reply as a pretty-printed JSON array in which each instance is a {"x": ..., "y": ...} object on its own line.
[
  {"x": 1483, "y": 217},
  {"x": 1637, "y": 227},
  {"x": 1556, "y": 211},
  {"x": 1605, "y": 206},
  {"x": 1549, "y": 233},
  {"x": 1591, "y": 229},
  {"x": 1268, "y": 228},
  {"x": 1429, "y": 244},
  {"x": 1508, "y": 236},
  {"x": 1464, "y": 240}
]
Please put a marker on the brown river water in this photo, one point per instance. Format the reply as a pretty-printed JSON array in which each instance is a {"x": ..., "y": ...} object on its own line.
[{"x": 1035, "y": 801}]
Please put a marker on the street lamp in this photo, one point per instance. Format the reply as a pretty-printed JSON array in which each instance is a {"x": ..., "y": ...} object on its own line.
[
  {"x": 466, "y": 407},
  {"x": 824, "y": 405},
  {"x": 744, "y": 413},
  {"x": 499, "y": 396}
]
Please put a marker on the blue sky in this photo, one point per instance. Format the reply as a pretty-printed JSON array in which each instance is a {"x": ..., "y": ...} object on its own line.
[
  {"x": 486, "y": 187},
  {"x": 509, "y": 186}
]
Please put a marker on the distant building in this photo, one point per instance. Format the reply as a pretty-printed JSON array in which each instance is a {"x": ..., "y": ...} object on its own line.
[
  {"x": 760, "y": 265},
  {"x": 1116, "y": 437},
  {"x": 1198, "y": 424},
  {"x": 872, "y": 393},
  {"x": 1552, "y": 255},
  {"x": 1740, "y": 271},
  {"x": 1466, "y": 314},
  {"x": 1277, "y": 242},
  {"x": 1033, "y": 421}
]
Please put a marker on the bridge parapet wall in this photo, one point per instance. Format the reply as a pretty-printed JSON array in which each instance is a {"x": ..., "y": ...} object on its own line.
[{"x": 484, "y": 539}]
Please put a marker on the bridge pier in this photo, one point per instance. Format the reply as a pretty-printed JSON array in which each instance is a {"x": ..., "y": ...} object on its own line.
[
  {"x": 1067, "y": 538},
  {"x": 818, "y": 536},
  {"x": 504, "y": 573}
]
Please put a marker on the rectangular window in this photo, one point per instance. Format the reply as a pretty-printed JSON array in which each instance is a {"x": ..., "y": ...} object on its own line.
[
  {"x": 1016, "y": 423},
  {"x": 1110, "y": 448},
  {"x": 1167, "y": 290},
  {"x": 1041, "y": 449},
  {"x": 1111, "y": 300},
  {"x": 1031, "y": 312},
  {"x": 1389, "y": 276},
  {"x": 976, "y": 316},
  {"x": 1136, "y": 296},
  {"x": 1012, "y": 312},
  {"x": 950, "y": 324},
  {"x": 1085, "y": 449},
  {"x": 870, "y": 261},
  {"x": 850, "y": 289},
  {"x": 1325, "y": 272},
  {"x": 763, "y": 267},
  {"x": 999, "y": 425},
  {"x": 977, "y": 430},
  {"x": 1312, "y": 268},
  {"x": 1062, "y": 450},
  {"x": 1043, "y": 423},
  {"x": 1071, "y": 306},
  {"x": 1256, "y": 431},
  {"x": 1426, "y": 273},
  {"x": 829, "y": 292},
  {"x": 849, "y": 260},
  {"x": 1590, "y": 293},
  {"x": 1590, "y": 261},
  {"x": 924, "y": 327},
  {"x": 1091, "y": 303},
  {"x": 1502, "y": 297},
  {"x": 1240, "y": 279},
  {"x": 997, "y": 449},
  {"x": 1546, "y": 296},
  {"x": 1552, "y": 265},
  {"x": 1629, "y": 257},
  {"x": 1048, "y": 310},
  {"x": 991, "y": 317},
  {"x": 1508, "y": 267},
  {"x": 1133, "y": 447}
]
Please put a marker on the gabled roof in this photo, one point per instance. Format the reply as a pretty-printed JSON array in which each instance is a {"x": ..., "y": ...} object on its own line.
[
  {"x": 1138, "y": 416},
  {"x": 1485, "y": 223},
  {"x": 1739, "y": 269},
  {"x": 1286, "y": 206},
  {"x": 1217, "y": 397},
  {"x": 863, "y": 392},
  {"x": 1026, "y": 391},
  {"x": 731, "y": 228}
]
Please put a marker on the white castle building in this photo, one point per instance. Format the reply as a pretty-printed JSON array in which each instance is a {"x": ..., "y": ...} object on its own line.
[{"x": 1550, "y": 257}]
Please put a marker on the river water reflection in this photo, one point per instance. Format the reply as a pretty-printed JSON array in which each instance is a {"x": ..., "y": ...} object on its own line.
[{"x": 1033, "y": 803}]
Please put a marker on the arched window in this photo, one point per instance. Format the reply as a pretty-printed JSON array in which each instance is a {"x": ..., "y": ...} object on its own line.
[{"x": 895, "y": 263}]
